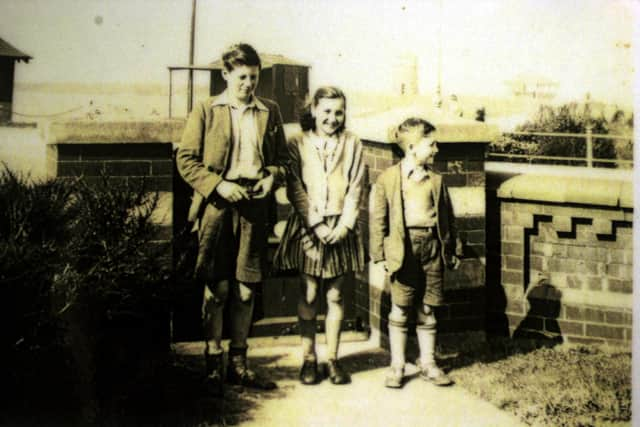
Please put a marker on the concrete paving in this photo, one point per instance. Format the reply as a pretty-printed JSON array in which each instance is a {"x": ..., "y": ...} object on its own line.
[{"x": 364, "y": 402}]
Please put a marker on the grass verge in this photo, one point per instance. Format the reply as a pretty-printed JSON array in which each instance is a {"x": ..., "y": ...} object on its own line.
[{"x": 549, "y": 386}]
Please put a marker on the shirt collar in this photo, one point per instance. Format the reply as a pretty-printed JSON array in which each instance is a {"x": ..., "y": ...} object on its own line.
[
  {"x": 409, "y": 169},
  {"x": 224, "y": 99}
]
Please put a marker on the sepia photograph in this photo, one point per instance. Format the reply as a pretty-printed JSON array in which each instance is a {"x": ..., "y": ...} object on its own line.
[{"x": 318, "y": 212}]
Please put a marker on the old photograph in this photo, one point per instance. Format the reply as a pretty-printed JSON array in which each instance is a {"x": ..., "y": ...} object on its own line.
[{"x": 317, "y": 213}]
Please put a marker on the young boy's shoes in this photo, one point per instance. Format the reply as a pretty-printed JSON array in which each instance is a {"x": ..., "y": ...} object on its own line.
[
  {"x": 309, "y": 372},
  {"x": 336, "y": 374},
  {"x": 434, "y": 375},
  {"x": 394, "y": 377}
]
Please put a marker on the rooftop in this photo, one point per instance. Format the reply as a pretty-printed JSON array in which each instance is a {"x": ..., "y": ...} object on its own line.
[
  {"x": 268, "y": 60},
  {"x": 7, "y": 50}
]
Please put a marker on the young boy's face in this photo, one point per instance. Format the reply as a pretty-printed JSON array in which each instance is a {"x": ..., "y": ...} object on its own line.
[
  {"x": 423, "y": 148},
  {"x": 329, "y": 115},
  {"x": 242, "y": 81}
]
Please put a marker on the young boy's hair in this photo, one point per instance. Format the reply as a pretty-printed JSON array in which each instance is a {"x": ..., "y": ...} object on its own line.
[
  {"x": 410, "y": 124},
  {"x": 307, "y": 121},
  {"x": 240, "y": 54}
]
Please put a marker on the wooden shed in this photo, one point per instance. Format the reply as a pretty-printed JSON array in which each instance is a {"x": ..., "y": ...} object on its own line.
[
  {"x": 8, "y": 57},
  {"x": 282, "y": 79}
]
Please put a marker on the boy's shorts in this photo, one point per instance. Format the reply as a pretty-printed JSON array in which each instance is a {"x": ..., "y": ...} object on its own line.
[
  {"x": 232, "y": 239},
  {"x": 420, "y": 279}
]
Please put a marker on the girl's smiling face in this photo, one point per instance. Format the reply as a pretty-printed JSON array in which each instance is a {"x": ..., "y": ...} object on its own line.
[{"x": 329, "y": 115}]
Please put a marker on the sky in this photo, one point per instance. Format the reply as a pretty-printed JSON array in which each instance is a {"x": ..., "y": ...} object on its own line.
[{"x": 585, "y": 46}]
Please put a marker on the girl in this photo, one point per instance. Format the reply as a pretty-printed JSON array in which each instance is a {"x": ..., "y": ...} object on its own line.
[{"x": 324, "y": 183}]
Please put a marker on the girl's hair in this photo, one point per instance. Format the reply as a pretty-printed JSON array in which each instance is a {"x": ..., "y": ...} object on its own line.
[
  {"x": 240, "y": 54},
  {"x": 410, "y": 124},
  {"x": 307, "y": 121}
]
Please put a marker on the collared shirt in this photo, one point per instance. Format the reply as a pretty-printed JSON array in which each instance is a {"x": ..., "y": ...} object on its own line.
[
  {"x": 245, "y": 159},
  {"x": 417, "y": 195}
]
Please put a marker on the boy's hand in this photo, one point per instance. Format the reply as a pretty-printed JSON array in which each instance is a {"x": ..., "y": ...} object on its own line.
[
  {"x": 455, "y": 262},
  {"x": 262, "y": 187},
  {"x": 231, "y": 191},
  {"x": 337, "y": 234},
  {"x": 322, "y": 230}
]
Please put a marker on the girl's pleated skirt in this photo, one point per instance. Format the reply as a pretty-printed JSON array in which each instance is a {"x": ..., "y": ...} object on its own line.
[{"x": 300, "y": 249}]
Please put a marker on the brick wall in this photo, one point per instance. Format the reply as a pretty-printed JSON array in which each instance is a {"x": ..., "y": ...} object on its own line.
[
  {"x": 462, "y": 167},
  {"x": 126, "y": 151},
  {"x": 566, "y": 259}
]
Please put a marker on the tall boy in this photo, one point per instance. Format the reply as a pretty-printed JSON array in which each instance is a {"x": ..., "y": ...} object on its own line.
[
  {"x": 413, "y": 234},
  {"x": 232, "y": 151}
]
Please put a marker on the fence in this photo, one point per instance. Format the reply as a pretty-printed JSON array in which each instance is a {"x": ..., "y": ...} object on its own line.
[{"x": 589, "y": 160}]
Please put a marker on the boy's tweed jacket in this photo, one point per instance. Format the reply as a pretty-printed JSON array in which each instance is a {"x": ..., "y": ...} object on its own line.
[
  {"x": 387, "y": 229},
  {"x": 203, "y": 155}
]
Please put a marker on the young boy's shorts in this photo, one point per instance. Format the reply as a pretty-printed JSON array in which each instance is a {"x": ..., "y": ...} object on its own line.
[
  {"x": 420, "y": 279},
  {"x": 232, "y": 240}
]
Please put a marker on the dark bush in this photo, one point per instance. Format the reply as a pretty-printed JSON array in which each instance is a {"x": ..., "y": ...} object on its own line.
[
  {"x": 34, "y": 220},
  {"x": 85, "y": 286}
]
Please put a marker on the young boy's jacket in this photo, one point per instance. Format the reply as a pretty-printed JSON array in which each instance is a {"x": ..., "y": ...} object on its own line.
[
  {"x": 203, "y": 155},
  {"x": 387, "y": 228}
]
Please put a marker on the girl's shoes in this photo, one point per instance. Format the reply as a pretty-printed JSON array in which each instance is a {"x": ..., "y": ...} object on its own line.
[
  {"x": 336, "y": 374},
  {"x": 309, "y": 372}
]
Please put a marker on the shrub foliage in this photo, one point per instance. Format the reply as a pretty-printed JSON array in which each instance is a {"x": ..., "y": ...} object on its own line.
[{"x": 80, "y": 271}]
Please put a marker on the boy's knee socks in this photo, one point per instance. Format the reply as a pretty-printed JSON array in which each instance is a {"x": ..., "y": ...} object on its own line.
[
  {"x": 397, "y": 343},
  {"x": 426, "y": 332},
  {"x": 426, "y": 318}
]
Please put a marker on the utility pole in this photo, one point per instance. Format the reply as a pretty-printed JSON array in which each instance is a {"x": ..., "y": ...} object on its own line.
[
  {"x": 191, "y": 45},
  {"x": 438, "y": 102},
  {"x": 589, "y": 130}
]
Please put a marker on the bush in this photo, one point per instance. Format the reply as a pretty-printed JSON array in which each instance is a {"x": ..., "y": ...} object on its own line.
[
  {"x": 80, "y": 271},
  {"x": 33, "y": 227},
  {"x": 568, "y": 118}
]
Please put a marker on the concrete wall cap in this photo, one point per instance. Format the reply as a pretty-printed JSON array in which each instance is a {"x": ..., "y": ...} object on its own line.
[
  {"x": 568, "y": 189},
  {"x": 108, "y": 132},
  {"x": 378, "y": 126}
]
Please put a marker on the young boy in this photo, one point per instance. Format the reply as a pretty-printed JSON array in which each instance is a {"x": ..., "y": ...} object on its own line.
[
  {"x": 413, "y": 234},
  {"x": 232, "y": 151}
]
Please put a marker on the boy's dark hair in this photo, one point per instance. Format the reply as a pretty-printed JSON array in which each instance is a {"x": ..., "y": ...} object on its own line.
[
  {"x": 240, "y": 54},
  {"x": 307, "y": 121},
  {"x": 414, "y": 122},
  {"x": 409, "y": 124}
]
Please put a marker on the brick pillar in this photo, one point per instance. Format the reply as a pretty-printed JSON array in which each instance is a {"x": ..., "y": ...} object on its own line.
[{"x": 566, "y": 270}]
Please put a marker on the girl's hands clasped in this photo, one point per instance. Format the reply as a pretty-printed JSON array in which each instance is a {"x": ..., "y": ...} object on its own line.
[
  {"x": 322, "y": 230},
  {"x": 337, "y": 234}
]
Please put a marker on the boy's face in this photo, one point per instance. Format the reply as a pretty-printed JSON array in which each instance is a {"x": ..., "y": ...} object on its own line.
[
  {"x": 424, "y": 147},
  {"x": 242, "y": 81},
  {"x": 329, "y": 115}
]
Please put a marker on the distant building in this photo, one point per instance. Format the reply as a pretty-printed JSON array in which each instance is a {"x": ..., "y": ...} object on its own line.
[
  {"x": 533, "y": 87},
  {"x": 282, "y": 79},
  {"x": 8, "y": 57}
]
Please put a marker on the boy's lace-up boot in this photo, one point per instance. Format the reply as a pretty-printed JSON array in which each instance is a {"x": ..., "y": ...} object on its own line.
[{"x": 238, "y": 372}]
